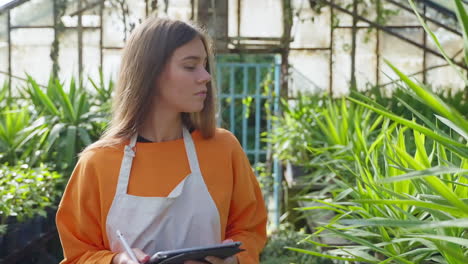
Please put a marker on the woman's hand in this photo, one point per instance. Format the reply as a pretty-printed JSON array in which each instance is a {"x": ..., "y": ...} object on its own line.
[
  {"x": 215, "y": 260},
  {"x": 124, "y": 258}
]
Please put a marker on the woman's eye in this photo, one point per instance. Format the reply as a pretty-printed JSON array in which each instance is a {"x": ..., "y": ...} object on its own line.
[{"x": 190, "y": 68}]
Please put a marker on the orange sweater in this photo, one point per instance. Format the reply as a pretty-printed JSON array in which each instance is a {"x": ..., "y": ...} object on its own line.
[{"x": 157, "y": 169}]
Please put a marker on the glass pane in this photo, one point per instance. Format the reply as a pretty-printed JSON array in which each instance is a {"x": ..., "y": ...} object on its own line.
[
  {"x": 115, "y": 30},
  {"x": 398, "y": 16},
  {"x": 442, "y": 17},
  {"x": 137, "y": 11},
  {"x": 341, "y": 61},
  {"x": 90, "y": 17},
  {"x": 3, "y": 27},
  {"x": 33, "y": 13},
  {"x": 451, "y": 42},
  {"x": 111, "y": 64},
  {"x": 68, "y": 55},
  {"x": 3, "y": 62},
  {"x": 91, "y": 56},
  {"x": 443, "y": 78},
  {"x": 406, "y": 57},
  {"x": 310, "y": 71},
  {"x": 3, "y": 46},
  {"x": 343, "y": 19},
  {"x": 3, "y": 57},
  {"x": 366, "y": 9},
  {"x": 267, "y": 23},
  {"x": 311, "y": 30},
  {"x": 31, "y": 53},
  {"x": 366, "y": 58},
  {"x": 180, "y": 9},
  {"x": 232, "y": 18}
]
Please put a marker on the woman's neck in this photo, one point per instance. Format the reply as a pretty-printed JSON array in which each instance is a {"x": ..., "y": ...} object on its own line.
[{"x": 162, "y": 126}]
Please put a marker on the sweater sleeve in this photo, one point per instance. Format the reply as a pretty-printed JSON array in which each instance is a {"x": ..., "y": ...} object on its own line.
[
  {"x": 247, "y": 215},
  {"x": 78, "y": 218}
]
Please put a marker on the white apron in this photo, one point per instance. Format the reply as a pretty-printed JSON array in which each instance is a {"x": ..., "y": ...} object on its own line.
[{"x": 188, "y": 217}]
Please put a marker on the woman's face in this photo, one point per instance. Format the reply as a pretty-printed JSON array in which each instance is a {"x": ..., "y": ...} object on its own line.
[{"x": 182, "y": 86}]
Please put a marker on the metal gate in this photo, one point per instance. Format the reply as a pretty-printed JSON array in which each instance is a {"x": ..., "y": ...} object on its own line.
[{"x": 247, "y": 92}]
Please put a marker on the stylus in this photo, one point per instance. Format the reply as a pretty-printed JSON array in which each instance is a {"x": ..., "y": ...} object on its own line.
[{"x": 127, "y": 247}]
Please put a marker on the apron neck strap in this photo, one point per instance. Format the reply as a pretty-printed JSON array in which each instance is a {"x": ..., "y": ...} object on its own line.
[
  {"x": 133, "y": 140},
  {"x": 129, "y": 153},
  {"x": 126, "y": 165},
  {"x": 190, "y": 150}
]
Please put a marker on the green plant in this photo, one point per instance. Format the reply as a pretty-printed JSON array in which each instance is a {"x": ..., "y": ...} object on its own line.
[
  {"x": 456, "y": 99},
  {"x": 397, "y": 184},
  {"x": 316, "y": 132},
  {"x": 26, "y": 192},
  {"x": 397, "y": 208},
  {"x": 66, "y": 119},
  {"x": 103, "y": 93},
  {"x": 276, "y": 250},
  {"x": 3, "y": 229},
  {"x": 14, "y": 132},
  {"x": 408, "y": 203},
  {"x": 4, "y": 90}
]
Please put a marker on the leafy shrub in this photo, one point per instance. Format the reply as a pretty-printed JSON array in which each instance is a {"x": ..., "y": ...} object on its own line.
[
  {"x": 26, "y": 192},
  {"x": 276, "y": 250}
]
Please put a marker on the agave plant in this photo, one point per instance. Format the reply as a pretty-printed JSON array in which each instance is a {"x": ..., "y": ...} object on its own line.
[
  {"x": 103, "y": 92},
  {"x": 15, "y": 131},
  {"x": 65, "y": 118}
]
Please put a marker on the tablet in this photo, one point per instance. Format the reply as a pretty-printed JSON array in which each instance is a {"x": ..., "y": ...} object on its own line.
[{"x": 196, "y": 253}]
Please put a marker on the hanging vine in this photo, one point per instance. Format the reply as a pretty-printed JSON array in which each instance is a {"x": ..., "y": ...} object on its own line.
[
  {"x": 288, "y": 18},
  {"x": 122, "y": 6},
  {"x": 155, "y": 7},
  {"x": 60, "y": 6}
]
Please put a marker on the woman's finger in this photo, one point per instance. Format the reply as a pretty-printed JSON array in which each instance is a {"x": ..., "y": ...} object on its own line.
[
  {"x": 227, "y": 241},
  {"x": 141, "y": 256},
  {"x": 123, "y": 258}
]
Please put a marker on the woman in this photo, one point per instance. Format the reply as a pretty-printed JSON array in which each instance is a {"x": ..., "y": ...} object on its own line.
[{"x": 162, "y": 174}]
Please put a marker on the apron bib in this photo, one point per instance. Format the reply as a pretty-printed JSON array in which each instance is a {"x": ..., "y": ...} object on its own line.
[{"x": 188, "y": 217}]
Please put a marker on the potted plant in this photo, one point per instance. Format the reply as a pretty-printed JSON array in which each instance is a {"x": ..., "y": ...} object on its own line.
[{"x": 26, "y": 194}]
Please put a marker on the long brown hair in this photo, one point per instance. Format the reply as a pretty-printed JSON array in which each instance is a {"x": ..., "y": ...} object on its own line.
[{"x": 144, "y": 57}]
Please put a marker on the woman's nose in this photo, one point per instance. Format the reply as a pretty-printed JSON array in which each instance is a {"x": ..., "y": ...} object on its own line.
[{"x": 204, "y": 77}]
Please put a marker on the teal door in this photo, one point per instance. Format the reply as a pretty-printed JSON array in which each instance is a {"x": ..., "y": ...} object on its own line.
[{"x": 247, "y": 94}]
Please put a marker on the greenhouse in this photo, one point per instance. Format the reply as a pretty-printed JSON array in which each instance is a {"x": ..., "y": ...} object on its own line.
[{"x": 351, "y": 116}]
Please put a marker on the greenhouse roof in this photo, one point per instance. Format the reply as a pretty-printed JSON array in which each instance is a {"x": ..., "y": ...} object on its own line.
[
  {"x": 444, "y": 4},
  {"x": 8, "y": 4},
  {"x": 441, "y": 5},
  {"x": 5, "y": 2}
]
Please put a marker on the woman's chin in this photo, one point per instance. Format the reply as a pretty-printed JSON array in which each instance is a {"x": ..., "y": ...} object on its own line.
[{"x": 194, "y": 110}]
